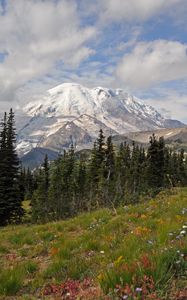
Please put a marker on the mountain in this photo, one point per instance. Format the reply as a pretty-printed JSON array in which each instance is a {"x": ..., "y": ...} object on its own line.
[
  {"x": 36, "y": 156},
  {"x": 71, "y": 113},
  {"x": 173, "y": 136}
]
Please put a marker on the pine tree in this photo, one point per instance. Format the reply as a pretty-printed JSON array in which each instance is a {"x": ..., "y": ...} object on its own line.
[
  {"x": 3, "y": 169},
  {"x": 136, "y": 172},
  {"x": 40, "y": 201},
  {"x": 56, "y": 203},
  {"x": 123, "y": 173},
  {"x": 11, "y": 196},
  {"x": 110, "y": 159},
  {"x": 182, "y": 168},
  {"x": 97, "y": 168},
  {"x": 156, "y": 160},
  {"x": 29, "y": 183},
  {"x": 109, "y": 174},
  {"x": 82, "y": 187},
  {"x": 13, "y": 167}
]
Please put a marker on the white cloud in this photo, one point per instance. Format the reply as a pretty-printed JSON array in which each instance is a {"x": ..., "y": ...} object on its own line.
[
  {"x": 133, "y": 10},
  {"x": 171, "y": 104},
  {"x": 151, "y": 63},
  {"x": 36, "y": 35}
]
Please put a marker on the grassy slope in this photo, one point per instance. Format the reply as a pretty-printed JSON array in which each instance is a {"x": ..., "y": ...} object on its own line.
[{"x": 109, "y": 248}]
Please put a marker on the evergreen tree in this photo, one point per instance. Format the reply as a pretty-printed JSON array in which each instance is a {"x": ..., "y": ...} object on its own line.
[
  {"x": 155, "y": 170},
  {"x": 40, "y": 201},
  {"x": 182, "y": 168},
  {"x": 109, "y": 173},
  {"x": 82, "y": 187},
  {"x": 30, "y": 183},
  {"x": 137, "y": 170},
  {"x": 107, "y": 178},
  {"x": 56, "y": 203},
  {"x": 3, "y": 175},
  {"x": 11, "y": 196},
  {"x": 123, "y": 173},
  {"x": 96, "y": 174},
  {"x": 13, "y": 166}
]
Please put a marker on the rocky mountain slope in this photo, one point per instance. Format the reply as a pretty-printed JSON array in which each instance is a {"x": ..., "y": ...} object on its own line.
[
  {"x": 171, "y": 135},
  {"x": 73, "y": 113}
]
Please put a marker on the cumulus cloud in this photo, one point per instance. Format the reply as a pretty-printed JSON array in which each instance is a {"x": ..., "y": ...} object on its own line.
[
  {"x": 171, "y": 103},
  {"x": 150, "y": 63},
  {"x": 133, "y": 10},
  {"x": 36, "y": 35}
]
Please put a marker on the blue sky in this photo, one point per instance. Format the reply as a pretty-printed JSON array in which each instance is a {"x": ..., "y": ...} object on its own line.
[{"x": 137, "y": 45}]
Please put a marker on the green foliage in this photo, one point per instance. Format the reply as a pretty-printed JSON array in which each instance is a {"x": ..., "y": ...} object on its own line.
[
  {"x": 11, "y": 281},
  {"x": 140, "y": 242},
  {"x": 108, "y": 178},
  {"x": 11, "y": 195}
]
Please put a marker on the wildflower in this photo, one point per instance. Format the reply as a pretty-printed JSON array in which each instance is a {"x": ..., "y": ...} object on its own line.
[
  {"x": 54, "y": 251},
  {"x": 170, "y": 234},
  {"x": 100, "y": 276},
  {"x": 183, "y": 232},
  {"x": 141, "y": 231},
  {"x": 184, "y": 227},
  {"x": 143, "y": 216},
  {"x": 118, "y": 260},
  {"x": 184, "y": 210},
  {"x": 125, "y": 297},
  {"x": 138, "y": 290},
  {"x": 102, "y": 252}
]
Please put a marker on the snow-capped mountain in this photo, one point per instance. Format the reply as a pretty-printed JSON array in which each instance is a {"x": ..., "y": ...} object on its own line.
[{"x": 73, "y": 113}]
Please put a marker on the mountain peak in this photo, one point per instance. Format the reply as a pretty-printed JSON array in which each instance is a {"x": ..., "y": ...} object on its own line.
[
  {"x": 60, "y": 87},
  {"x": 114, "y": 110}
]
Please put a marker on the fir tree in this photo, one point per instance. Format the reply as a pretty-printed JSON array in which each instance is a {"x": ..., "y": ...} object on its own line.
[
  {"x": 82, "y": 187},
  {"x": 56, "y": 203},
  {"x": 11, "y": 196},
  {"x": 155, "y": 174},
  {"x": 40, "y": 201},
  {"x": 109, "y": 174},
  {"x": 3, "y": 173}
]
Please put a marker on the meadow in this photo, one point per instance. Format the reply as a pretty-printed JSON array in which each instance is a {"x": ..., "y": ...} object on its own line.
[{"x": 136, "y": 252}]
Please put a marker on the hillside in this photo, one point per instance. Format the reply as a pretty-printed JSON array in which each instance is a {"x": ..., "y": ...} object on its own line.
[
  {"x": 171, "y": 135},
  {"x": 142, "y": 249}
]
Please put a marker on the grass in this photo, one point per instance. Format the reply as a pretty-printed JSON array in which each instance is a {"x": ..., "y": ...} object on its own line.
[{"x": 140, "y": 246}]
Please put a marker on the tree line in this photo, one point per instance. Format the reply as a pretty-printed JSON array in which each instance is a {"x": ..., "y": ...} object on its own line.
[{"x": 109, "y": 176}]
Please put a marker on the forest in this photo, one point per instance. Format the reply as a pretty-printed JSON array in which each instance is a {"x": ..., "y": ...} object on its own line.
[{"x": 108, "y": 177}]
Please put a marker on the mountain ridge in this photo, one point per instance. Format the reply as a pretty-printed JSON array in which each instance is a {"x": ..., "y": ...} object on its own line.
[{"x": 71, "y": 113}]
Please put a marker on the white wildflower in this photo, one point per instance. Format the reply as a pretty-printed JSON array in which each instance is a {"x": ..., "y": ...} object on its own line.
[{"x": 183, "y": 232}]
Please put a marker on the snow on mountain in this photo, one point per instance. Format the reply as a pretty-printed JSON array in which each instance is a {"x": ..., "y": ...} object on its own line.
[{"x": 73, "y": 113}]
